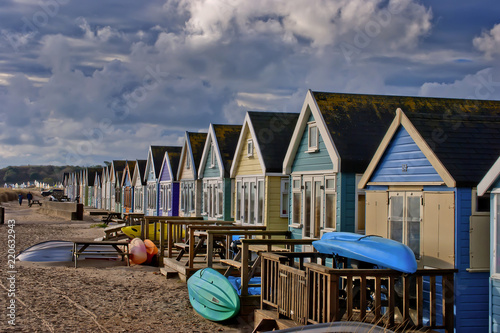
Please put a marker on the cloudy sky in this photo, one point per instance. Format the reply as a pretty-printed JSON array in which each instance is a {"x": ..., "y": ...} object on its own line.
[{"x": 82, "y": 82}]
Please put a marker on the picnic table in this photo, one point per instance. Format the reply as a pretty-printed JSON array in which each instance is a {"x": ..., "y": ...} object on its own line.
[
  {"x": 109, "y": 218},
  {"x": 89, "y": 247},
  {"x": 34, "y": 202}
]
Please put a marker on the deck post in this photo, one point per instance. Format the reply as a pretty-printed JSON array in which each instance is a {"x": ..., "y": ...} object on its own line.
[
  {"x": 448, "y": 297},
  {"x": 244, "y": 269},
  {"x": 162, "y": 243},
  {"x": 210, "y": 249}
]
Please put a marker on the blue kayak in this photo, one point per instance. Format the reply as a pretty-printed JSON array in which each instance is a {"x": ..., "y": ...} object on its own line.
[
  {"x": 376, "y": 250},
  {"x": 212, "y": 296}
]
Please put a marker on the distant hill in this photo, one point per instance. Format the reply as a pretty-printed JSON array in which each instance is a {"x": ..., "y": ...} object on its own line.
[{"x": 43, "y": 173}]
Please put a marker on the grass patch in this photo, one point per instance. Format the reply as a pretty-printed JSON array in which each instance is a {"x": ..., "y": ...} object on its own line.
[{"x": 99, "y": 225}]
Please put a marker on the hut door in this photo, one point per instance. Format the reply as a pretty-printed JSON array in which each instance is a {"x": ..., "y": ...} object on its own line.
[
  {"x": 313, "y": 206},
  {"x": 376, "y": 213}
]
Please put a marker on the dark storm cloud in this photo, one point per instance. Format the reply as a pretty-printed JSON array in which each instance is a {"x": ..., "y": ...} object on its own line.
[{"x": 92, "y": 80}]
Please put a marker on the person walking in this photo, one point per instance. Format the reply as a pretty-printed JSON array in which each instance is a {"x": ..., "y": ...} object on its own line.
[
  {"x": 29, "y": 196},
  {"x": 20, "y": 199}
]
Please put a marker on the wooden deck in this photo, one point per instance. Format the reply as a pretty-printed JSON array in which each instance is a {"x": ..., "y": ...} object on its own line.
[{"x": 310, "y": 293}]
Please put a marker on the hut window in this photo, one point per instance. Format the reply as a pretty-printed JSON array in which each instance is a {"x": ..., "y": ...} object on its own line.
[
  {"x": 188, "y": 161},
  {"x": 296, "y": 202},
  {"x": 480, "y": 204},
  {"x": 405, "y": 217},
  {"x": 250, "y": 148},
  {"x": 313, "y": 137},
  {"x": 191, "y": 197},
  {"x": 284, "y": 202},
  {"x": 239, "y": 190},
  {"x": 330, "y": 203},
  {"x": 260, "y": 202},
  {"x": 205, "y": 198},
  {"x": 169, "y": 197},
  {"x": 212, "y": 157},
  {"x": 220, "y": 202}
]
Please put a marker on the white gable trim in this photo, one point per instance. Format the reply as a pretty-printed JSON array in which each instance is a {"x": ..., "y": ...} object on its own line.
[
  {"x": 490, "y": 177},
  {"x": 247, "y": 126},
  {"x": 211, "y": 137},
  {"x": 149, "y": 165},
  {"x": 402, "y": 120},
  {"x": 166, "y": 162},
  {"x": 310, "y": 106}
]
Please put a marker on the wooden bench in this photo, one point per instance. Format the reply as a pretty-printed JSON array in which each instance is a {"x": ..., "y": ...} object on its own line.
[
  {"x": 114, "y": 231},
  {"x": 87, "y": 248},
  {"x": 33, "y": 202}
]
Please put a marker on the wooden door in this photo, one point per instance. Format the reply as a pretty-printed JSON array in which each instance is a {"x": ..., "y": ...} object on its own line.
[{"x": 376, "y": 213}]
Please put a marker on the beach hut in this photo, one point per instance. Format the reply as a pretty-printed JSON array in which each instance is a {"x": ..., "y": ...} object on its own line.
[
  {"x": 421, "y": 190},
  {"x": 187, "y": 174},
  {"x": 105, "y": 189},
  {"x": 127, "y": 189},
  {"x": 97, "y": 192},
  {"x": 215, "y": 164},
  {"x": 88, "y": 199},
  {"x": 139, "y": 185},
  {"x": 258, "y": 169},
  {"x": 115, "y": 172},
  {"x": 169, "y": 185},
  {"x": 489, "y": 191}
]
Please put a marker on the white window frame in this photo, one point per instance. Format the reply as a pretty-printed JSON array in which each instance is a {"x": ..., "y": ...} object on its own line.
[
  {"x": 405, "y": 195},
  {"x": 313, "y": 179},
  {"x": 188, "y": 161},
  {"x": 192, "y": 197},
  {"x": 212, "y": 157},
  {"x": 169, "y": 196},
  {"x": 249, "y": 147},
  {"x": 496, "y": 224},
  {"x": 285, "y": 190},
  {"x": 238, "y": 199},
  {"x": 204, "y": 197},
  {"x": 329, "y": 191},
  {"x": 296, "y": 190},
  {"x": 312, "y": 146},
  {"x": 256, "y": 209},
  {"x": 220, "y": 199}
]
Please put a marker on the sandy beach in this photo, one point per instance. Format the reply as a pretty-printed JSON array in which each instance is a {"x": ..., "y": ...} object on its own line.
[{"x": 98, "y": 296}]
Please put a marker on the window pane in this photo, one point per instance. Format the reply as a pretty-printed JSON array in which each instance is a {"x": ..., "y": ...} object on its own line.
[
  {"x": 245, "y": 202},
  {"x": 317, "y": 208},
  {"x": 205, "y": 198},
  {"x": 221, "y": 202},
  {"x": 284, "y": 205},
  {"x": 313, "y": 134},
  {"x": 296, "y": 183},
  {"x": 238, "y": 201},
  {"x": 192, "y": 198},
  {"x": 296, "y": 208},
  {"x": 330, "y": 211},
  {"x": 307, "y": 210},
  {"x": 251, "y": 218},
  {"x": 396, "y": 223},
  {"x": 413, "y": 220},
  {"x": 261, "y": 202},
  {"x": 330, "y": 183}
]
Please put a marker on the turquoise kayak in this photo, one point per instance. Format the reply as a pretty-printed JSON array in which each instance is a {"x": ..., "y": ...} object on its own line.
[
  {"x": 212, "y": 296},
  {"x": 376, "y": 250}
]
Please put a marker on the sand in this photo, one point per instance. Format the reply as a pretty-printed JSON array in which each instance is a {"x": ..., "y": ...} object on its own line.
[{"x": 98, "y": 296}]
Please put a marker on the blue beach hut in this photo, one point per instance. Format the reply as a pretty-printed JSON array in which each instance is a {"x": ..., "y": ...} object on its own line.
[
  {"x": 421, "y": 190},
  {"x": 489, "y": 189}
]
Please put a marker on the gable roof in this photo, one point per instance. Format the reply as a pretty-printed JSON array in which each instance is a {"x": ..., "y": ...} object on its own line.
[
  {"x": 224, "y": 139},
  {"x": 461, "y": 149},
  {"x": 129, "y": 168},
  {"x": 140, "y": 167},
  {"x": 357, "y": 123},
  {"x": 171, "y": 157},
  {"x": 117, "y": 165},
  {"x": 194, "y": 142},
  {"x": 271, "y": 132}
]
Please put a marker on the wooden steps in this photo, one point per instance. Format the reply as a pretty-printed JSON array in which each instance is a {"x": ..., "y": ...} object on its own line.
[
  {"x": 169, "y": 273},
  {"x": 232, "y": 263}
]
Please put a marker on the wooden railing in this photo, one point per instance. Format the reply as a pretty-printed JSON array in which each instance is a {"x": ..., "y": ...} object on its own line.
[{"x": 310, "y": 293}]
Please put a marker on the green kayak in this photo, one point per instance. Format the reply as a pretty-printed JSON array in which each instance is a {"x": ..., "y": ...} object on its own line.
[{"x": 212, "y": 296}]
